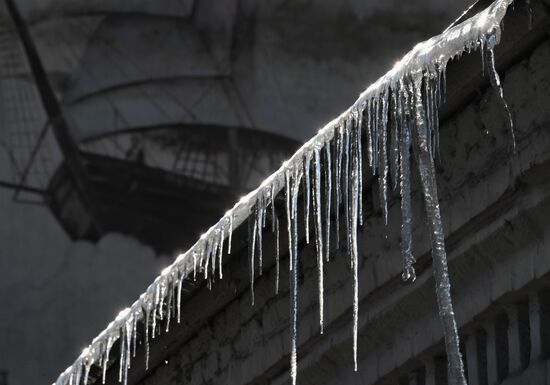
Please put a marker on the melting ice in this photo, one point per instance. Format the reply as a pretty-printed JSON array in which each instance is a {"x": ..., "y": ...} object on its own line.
[{"x": 394, "y": 118}]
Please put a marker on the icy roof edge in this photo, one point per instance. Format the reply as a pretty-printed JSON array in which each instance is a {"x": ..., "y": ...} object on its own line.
[{"x": 426, "y": 57}]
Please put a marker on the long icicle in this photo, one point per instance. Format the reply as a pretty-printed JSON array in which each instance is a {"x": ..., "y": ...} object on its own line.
[
  {"x": 252, "y": 228},
  {"x": 337, "y": 175},
  {"x": 307, "y": 194},
  {"x": 146, "y": 313},
  {"x": 497, "y": 86},
  {"x": 317, "y": 207},
  {"x": 277, "y": 256},
  {"x": 405, "y": 190},
  {"x": 354, "y": 206},
  {"x": 259, "y": 231},
  {"x": 328, "y": 196},
  {"x": 359, "y": 146},
  {"x": 346, "y": 181},
  {"x": 275, "y": 229},
  {"x": 383, "y": 157},
  {"x": 395, "y": 143},
  {"x": 441, "y": 274},
  {"x": 288, "y": 192},
  {"x": 293, "y": 241}
]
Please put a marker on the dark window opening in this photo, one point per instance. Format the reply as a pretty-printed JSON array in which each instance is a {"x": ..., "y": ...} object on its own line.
[
  {"x": 501, "y": 345},
  {"x": 481, "y": 347},
  {"x": 524, "y": 334}
]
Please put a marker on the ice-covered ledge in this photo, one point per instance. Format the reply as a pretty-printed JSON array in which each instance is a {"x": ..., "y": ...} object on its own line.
[{"x": 414, "y": 85}]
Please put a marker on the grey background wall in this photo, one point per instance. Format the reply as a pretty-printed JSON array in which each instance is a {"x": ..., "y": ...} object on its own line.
[{"x": 495, "y": 209}]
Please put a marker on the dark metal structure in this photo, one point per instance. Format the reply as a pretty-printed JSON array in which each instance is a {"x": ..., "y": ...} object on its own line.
[{"x": 163, "y": 185}]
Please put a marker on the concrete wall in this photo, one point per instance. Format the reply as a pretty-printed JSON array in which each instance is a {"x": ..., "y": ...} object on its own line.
[{"x": 495, "y": 209}]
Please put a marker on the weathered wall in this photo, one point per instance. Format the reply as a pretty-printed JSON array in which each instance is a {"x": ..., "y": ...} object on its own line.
[{"x": 495, "y": 210}]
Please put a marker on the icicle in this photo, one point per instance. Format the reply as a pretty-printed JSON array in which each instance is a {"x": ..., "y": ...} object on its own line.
[
  {"x": 353, "y": 209},
  {"x": 383, "y": 157},
  {"x": 376, "y": 127},
  {"x": 214, "y": 253},
  {"x": 252, "y": 228},
  {"x": 406, "y": 209},
  {"x": 293, "y": 241},
  {"x": 78, "y": 373},
  {"x": 180, "y": 284},
  {"x": 162, "y": 293},
  {"x": 275, "y": 229},
  {"x": 288, "y": 192},
  {"x": 154, "y": 316},
  {"x": 337, "y": 174},
  {"x": 229, "y": 241},
  {"x": 370, "y": 135},
  {"x": 88, "y": 362},
  {"x": 426, "y": 103},
  {"x": 328, "y": 194},
  {"x": 497, "y": 86},
  {"x": 208, "y": 252},
  {"x": 169, "y": 306},
  {"x": 437, "y": 105},
  {"x": 394, "y": 151},
  {"x": 482, "y": 52},
  {"x": 443, "y": 82},
  {"x": 259, "y": 231},
  {"x": 273, "y": 209},
  {"x": 220, "y": 253},
  {"x": 346, "y": 181},
  {"x": 106, "y": 358},
  {"x": 359, "y": 146},
  {"x": 134, "y": 336},
  {"x": 194, "y": 265},
  {"x": 317, "y": 208},
  {"x": 121, "y": 363},
  {"x": 441, "y": 275},
  {"x": 146, "y": 337},
  {"x": 128, "y": 326},
  {"x": 307, "y": 193},
  {"x": 434, "y": 116},
  {"x": 277, "y": 256}
]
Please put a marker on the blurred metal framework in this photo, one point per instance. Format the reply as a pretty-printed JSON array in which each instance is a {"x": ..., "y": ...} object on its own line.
[{"x": 162, "y": 184}]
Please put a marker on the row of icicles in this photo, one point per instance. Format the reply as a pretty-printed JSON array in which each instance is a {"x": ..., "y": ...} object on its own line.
[{"x": 381, "y": 133}]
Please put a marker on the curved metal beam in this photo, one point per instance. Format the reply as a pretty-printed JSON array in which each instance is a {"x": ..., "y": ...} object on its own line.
[
  {"x": 187, "y": 126},
  {"x": 88, "y": 13},
  {"x": 138, "y": 83}
]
